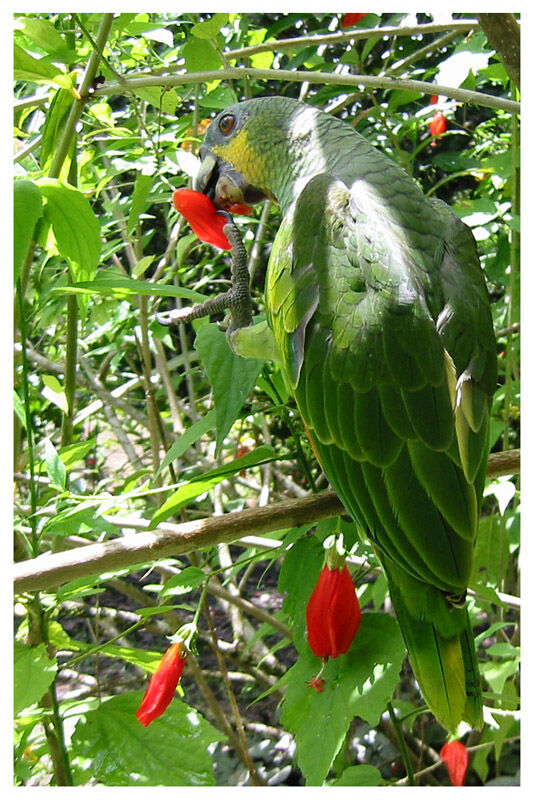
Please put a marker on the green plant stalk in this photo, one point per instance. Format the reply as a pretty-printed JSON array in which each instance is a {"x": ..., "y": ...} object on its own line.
[
  {"x": 29, "y": 427},
  {"x": 71, "y": 358},
  {"x": 402, "y": 745},
  {"x": 151, "y": 403},
  {"x": 512, "y": 286},
  {"x": 78, "y": 105}
]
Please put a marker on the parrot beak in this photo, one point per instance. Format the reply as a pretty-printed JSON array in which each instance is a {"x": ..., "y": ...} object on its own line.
[{"x": 223, "y": 184}]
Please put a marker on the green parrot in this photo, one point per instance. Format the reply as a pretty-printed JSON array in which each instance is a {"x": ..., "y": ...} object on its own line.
[{"x": 382, "y": 323}]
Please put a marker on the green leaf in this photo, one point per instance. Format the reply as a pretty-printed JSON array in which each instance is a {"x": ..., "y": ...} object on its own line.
[
  {"x": 142, "y": 265},
  {"x": 164, "y": 99},
  {"x": 201, "y": 56},
  {"x": 171, "y": 751},
  {"x": 210, "y": 27},
  {"x": 39, "y": 70},
  {"x": 189, "y": 578},
  {"x": 360, "y": 683},
  {"x": 56, "y": 118},
  {"x": 298, "y": 576},
  {"x": 18, "y": 408},
  {"x": 33, "y": 672},
  {"x": 42, "y": 32},
  {"x": 54, "y": 392},
  {"x": 75, "y": 225},
  {"x": 143, "y": 185},
  {"x": 72, "y": 453},
  {"x": 27, "y": 209},
  {"x": 115, "y": 285},
  {"x": 231, "y": 377},
  {"x": 360, "y": 775},
  {"x": 188, "y": 438},
  {"x": 54, "y": 465},
  {"x": 219, "y": 98},
  {"x": 189, "y": 491}
]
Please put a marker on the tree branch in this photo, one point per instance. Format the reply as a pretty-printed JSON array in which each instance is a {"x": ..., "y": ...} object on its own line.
[
  {"x": 300, "y": 76},
  {"x": 52, "y": 569}
]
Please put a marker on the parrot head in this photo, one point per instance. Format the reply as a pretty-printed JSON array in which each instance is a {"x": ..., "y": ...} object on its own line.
[{"x": 254, "y": 150}]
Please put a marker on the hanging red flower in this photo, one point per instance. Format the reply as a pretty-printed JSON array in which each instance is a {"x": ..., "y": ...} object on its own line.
[
  {"x": 203, "y": 218},
  {"x": 455, "y": 756},
  {"x": 349, "y": 20},
  {"x": 333, "y": 613},
  {"x": 437, "y": 125},
  {"x": 162, "y": 684}
]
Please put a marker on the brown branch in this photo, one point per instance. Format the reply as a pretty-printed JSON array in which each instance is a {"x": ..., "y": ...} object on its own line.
[
  {"x": 503, "y": 34},
  {"x": 52, "y": 569}
]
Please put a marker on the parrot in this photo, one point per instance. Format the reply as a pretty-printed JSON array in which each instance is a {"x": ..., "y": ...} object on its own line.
[{"x": 381, "y": 320}]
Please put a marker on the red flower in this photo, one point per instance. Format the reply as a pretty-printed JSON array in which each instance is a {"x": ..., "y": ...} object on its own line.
[
  {"x": 438, "y": 124},
  {"x": 455, "y": 756},
  {"x": 203, "y": 218},
  {"x": 162, "y": 685},
  {"x": 333, "y": 613},
  {"x": 433, "y": 99},
  {"x": 349, "y": 20}
]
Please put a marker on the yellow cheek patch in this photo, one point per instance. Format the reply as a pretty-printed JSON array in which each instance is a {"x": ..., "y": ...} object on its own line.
[{"x": 244, "y": 158}]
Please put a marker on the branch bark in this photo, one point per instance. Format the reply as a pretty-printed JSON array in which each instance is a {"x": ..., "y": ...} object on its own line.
[
  {"x": 503, "y": 33},
  {"x": 52, "y": 569}
]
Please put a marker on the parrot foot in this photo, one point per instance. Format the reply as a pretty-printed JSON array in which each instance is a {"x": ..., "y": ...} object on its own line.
[{"x": 237, "y": 299}]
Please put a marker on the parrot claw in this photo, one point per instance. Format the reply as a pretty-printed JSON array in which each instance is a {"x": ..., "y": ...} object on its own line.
[{"x": 237, "y": 299}]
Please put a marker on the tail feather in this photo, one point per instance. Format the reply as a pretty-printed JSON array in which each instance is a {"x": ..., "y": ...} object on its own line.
[{"x": 445, "y": 667}]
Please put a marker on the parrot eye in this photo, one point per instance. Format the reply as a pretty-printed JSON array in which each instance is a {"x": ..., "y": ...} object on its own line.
[{"x": 226, "y": 123}]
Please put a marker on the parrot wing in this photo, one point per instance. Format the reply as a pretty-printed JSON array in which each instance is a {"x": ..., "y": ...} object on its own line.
[{"x": 368, "y": 321}]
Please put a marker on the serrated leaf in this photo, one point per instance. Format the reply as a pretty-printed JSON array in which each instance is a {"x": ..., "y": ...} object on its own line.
[
  {"x": 142, "y": 187},
  {"x": 171, "y": 751},
  {"x": 54, "y": 466},
  {"x": 74, "y": 223},
  {"x": 33, "y": 673},
  {"x": 298, "y": 576},
  {"x": 231, "y": 377},
  {"x": 27, "y": 209},
  {"x": 359, "y": 683}
]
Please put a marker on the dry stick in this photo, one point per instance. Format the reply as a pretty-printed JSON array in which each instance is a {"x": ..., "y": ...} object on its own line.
[
  {"x": 254, "y": 776},
  {"x": 50, "y": 570}
]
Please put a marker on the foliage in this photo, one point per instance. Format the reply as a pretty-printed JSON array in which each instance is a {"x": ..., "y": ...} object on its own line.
[{"x": 123, "y": 425}]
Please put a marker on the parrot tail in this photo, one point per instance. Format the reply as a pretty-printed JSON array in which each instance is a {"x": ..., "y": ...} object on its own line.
[{"x": 445, "y": 665}]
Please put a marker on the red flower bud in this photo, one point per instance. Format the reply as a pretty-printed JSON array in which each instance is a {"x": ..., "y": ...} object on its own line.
[
  {"x": 333, "y": 613},
  {"x": 455, "y": 756},
  {"x": 349, "y": 20},
  {"x": 433, "y": 99},
  {"x": 162, "y": 685},
  {"x": 438, "y": 124}
]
